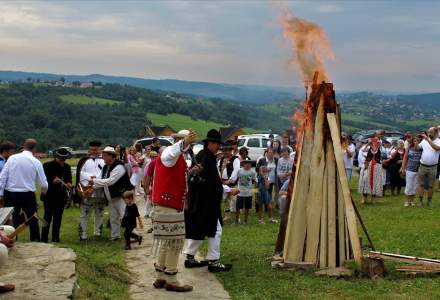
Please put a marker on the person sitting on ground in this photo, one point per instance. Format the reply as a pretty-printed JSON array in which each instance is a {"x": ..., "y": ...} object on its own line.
[
  {"x": 6, "y": 150},
  {"x": 129, "y": 219},
  {"x": 428, "y": 164},
  {"x": 409, "y": 169},
  {"x": 263, "y": 198},
  {"x": 246, "y": 182},
  {"x": 5, "y": 244}
]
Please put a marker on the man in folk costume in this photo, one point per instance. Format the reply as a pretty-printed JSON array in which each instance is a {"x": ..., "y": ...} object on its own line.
[
  {"x": 169, "y": 194},
  {"x": 89, "y": 168},
  {"x": 203, "y": 216},
  {"x": 115, "y": 181},
  {"x": 229, "y": 165},
  {"x": 59, "y": 177}
]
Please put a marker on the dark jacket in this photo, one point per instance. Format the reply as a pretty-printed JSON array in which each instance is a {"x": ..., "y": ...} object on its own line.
[
  {"x": 203, "y": 210},
  {"x": 119, "y": 187},
  {"x": 57, "y": 192}
]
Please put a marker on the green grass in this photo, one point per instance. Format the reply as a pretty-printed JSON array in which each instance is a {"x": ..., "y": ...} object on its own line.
[
  {"x": 393, "y": 228},
  {"x": 86, "y": 100},
  {"x": 178, "y": 122}
]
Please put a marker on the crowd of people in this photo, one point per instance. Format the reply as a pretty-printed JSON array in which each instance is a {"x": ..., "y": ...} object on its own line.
[
  {"x": 176, "y": 184},
  {"x": 390, "y": 165}
]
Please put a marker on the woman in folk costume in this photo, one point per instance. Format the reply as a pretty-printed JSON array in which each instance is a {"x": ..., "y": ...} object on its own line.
[
  {"x": 371, "y": 182},
  {"x": 169, "y": 194}
]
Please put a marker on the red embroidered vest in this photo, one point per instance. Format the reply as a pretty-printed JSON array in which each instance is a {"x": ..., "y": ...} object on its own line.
[{"x": 169, "y": 185}]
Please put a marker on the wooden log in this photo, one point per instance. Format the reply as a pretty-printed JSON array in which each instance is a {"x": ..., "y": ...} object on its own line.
[
  {"x": 314, "y": 201},
  {"x": 435, "y": 263},
  {"x": 331, "y": 198},
  {"x": 347, "y": 241},
  {"x": 373, "y": 267},
  {"x": 323, "y": 242},
  {"x": 349, "y": 210},
  {"x": 296, "y": 225},
  {"x": 341, "y": 224}
]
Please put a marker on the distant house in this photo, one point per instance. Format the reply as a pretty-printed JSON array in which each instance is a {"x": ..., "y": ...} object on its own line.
[
  {"x": 231, "y": 133},
  {"x": 151, "y": 131},
  {"x": 85, "y": 85}
]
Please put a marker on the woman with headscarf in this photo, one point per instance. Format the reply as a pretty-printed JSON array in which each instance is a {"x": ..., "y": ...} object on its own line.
[{"x": 371, "y": 182}]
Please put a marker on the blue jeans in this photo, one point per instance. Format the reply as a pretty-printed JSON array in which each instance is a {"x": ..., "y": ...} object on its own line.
[{"x": 349, "y": 172}]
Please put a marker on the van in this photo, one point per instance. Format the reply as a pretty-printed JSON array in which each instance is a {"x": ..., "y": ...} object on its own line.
[{"x": 255, "y": 143}]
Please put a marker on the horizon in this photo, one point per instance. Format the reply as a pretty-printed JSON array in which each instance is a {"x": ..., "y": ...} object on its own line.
[{"x": 388, "y": 50}]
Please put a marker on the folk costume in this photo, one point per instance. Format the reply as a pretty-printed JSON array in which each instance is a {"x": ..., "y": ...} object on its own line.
[
  {"x": 168, "y": 195},
  {"x": 203, "y": 216},
  {"x": 56, "y": 196},
  {"x": 372, "y": 176},
  {"x": 115, "y": 181},
  {"x": 91, "y": 167}
]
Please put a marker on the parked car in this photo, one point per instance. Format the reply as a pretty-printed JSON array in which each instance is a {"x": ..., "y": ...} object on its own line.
[
  {"x": 255, "y": 143},
  {"x": 164, "y": 141}
]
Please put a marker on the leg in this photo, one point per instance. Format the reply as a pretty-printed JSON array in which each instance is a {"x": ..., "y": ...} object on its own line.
[
  {"x": 99, "y": 216},
  {"x": 246, "y": 214},
  {"x": 237, "y": 216},
  {"x": 116, "y": 207},
  {"x": 127, "y": 235},
  {"x": 214, "y": 252},
  {"x": 57, "y": 218},
  {"x": 85, "y": 209},
  {"x": 29, "y": 206},
  {"x": 48, "y": 215}
]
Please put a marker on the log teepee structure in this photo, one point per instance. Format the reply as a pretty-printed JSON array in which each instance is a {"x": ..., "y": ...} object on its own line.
[{"x": 321, "y": 228}]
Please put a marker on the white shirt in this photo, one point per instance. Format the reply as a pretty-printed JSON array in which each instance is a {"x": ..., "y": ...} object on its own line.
[
  {"x": 171, "y": 154},
  {"x": 113, "y": 177},
  {"x": 348, "y": 161},
  {"x": 92, "y": 168},
  {"x": 362, "y": 156},
  {"x": 429, "y": 155},
  {"x": 236, "y": 168},
  {"x": 21, "y": 172}
]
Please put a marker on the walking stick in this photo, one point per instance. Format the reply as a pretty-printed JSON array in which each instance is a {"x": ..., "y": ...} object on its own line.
[{"x": 363, "y": 225}]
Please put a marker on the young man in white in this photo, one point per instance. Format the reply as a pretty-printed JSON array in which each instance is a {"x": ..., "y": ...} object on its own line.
[
  {"x": 428, "y": 163},
  {"x": 92, "y": 168}
]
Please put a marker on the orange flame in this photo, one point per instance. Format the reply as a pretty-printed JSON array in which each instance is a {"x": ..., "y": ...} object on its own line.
[{"x": 311, "y": 45}]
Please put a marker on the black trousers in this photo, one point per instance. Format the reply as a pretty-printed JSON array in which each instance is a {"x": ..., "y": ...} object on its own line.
[
  {"x": 53, "y": 213},
  {"x": 27, "y": 202},
  {"x": 128, "y": 233}
]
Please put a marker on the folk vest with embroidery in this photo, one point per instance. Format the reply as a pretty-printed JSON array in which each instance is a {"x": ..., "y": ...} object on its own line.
[{"x": 169, "y": 185}]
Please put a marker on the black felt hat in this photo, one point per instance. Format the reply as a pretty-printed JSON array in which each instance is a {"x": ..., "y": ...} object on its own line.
[
  {"x": 213, "y": 136},
  {"x": 63, "y": 153}
]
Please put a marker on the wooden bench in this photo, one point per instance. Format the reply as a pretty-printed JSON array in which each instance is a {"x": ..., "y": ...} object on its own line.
[{"x": 5, "y": 214}]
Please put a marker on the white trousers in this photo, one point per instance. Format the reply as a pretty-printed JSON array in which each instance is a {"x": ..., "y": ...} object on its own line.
[
  {"x": 116, "y": 209},
  {"x": 192, "y": 246},
  {"x": 86, "y": 208}
]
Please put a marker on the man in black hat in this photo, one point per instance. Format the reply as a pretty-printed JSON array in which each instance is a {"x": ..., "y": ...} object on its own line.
[
  {"x": 203, "y": 216},
  {"x": 59, "y": 178}
]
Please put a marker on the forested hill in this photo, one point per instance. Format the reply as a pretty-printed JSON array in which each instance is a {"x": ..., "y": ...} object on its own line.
[{"x": 71, "y": 116}]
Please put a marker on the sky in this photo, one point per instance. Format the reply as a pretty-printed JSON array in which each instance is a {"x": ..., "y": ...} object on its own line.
[{"x": 378, "y": 45}]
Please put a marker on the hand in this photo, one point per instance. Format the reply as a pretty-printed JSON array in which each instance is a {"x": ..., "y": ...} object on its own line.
[
  {"x": 69, "y": 185},
  {"x": 141, "y": 225},
  {"x": 190, "y": 138},
  {"x": 56, "y": 180},
  {"x": 424, "y": 136}
]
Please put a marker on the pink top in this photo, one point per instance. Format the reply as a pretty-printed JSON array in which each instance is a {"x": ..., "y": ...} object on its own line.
[{"x": 133, "y": 163}]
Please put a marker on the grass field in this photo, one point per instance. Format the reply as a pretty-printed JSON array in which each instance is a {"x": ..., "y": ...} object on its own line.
[
  {"x": 85, "y": 100},
  {"x": 393, "y": 228}
]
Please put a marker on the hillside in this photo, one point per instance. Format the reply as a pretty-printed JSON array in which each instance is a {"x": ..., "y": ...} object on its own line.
[
  {"x": 237, "y": 92},
  {"x": 71, "y": 116}
]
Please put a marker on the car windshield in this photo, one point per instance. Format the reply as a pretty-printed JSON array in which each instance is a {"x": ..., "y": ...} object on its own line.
[{"x": 241, "y": 142}]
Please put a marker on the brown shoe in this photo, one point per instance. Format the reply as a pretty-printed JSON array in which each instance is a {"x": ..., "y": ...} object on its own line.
[
  {"x": 159, "y": 283},
  {"x": 6, "y": 288},
  {"x": 177, "y": 288}
]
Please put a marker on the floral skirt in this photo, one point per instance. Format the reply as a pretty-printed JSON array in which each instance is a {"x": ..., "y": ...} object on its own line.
[{"x": 374, "y": 188}]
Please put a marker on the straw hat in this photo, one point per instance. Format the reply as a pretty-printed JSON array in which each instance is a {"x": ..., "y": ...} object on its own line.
[
  {"x": 181, "y": 134},
  {"x": 109, "y": 150}
]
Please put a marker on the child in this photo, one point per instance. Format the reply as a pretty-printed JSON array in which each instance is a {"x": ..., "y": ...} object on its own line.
[
  {"x": 246, "y": 181},
  {"x": 129, "y": 219},
  {"x": 263, "y": 198}
]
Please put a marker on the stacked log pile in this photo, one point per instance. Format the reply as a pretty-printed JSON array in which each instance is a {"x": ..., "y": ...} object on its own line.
[{"x": 321, "y": 229}]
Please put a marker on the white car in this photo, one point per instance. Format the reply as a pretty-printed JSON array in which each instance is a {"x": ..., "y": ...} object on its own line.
[
  {"x": 164, "y": 141},
  {"x": 255, "y": 143}
]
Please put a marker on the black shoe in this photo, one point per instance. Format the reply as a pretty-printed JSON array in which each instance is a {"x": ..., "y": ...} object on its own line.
[
  {"x": 216, "y": 266},
  {"x": 191, "y": 262},
  {"x": 139, "y": 239}
]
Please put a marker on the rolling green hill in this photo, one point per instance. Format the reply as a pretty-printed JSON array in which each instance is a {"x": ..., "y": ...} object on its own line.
[{"x": 86, "y": 100}]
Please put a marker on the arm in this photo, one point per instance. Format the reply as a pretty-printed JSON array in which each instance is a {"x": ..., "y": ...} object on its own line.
[
  {"x": 115, "y": 175},
  {"x": 42, "y": 178},
  {"x": 432, "y": 144},
  {"x": 404, "y": 162},
  {"x": 3, "y": 181},
  {"x": 171, "y": 154},
  {"x": 234, "y": 174},
  {"x": 350, "y": 151}
]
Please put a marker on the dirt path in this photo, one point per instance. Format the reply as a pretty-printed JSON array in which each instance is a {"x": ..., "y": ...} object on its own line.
[{"x": 140, "y": 263}]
